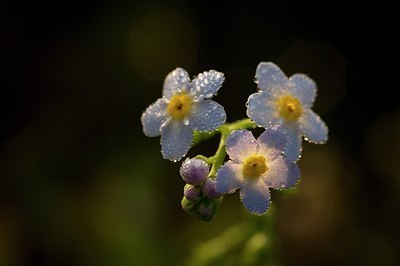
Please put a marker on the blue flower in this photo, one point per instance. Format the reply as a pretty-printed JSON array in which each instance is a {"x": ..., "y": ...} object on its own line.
[
  {"x": 287, "y": 102},
  {"x": 256, "y": 165},
  {"x": 183, "y": 108}
]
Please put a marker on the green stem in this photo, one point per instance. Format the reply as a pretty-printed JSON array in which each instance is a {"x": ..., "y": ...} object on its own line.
[
  {"x": 220, "y": 155},
  {"x": 225, "y": 130},
  {"x": 241, "y": 124}
]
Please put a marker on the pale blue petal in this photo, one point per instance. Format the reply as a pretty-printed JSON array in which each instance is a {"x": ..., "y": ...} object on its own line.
[
  {"x": 262, "y": 109},
  {"x": 154, "y": 116},
  {"x": 255, "y": 196},
  {"x": 294, "y": 147},
  {"x": 176, "y": 81},
  {"x": 176, "y": 139},
  {"x": 207, "y": 115},
  {"x": 228, "y": 177},
  {"x": 269, "y": 76},
  {"x": 206, "y": 84},
  {"x": 282, "y": 173},
  {"x": 272, "y": 142},
  {"x": 241, "y": 144},
  {"x": 303, "y": 88},
  {"x": 314, "y": 129}
]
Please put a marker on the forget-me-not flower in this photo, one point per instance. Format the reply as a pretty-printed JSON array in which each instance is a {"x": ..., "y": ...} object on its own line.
[
  {"x": 287, "y": 102},
  {"x": 256, "y": 165},
  {"x": 183, "y": 108}
]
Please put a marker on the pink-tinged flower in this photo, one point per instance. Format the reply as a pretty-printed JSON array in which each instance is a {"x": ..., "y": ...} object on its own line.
[
  {"x": 184, "y": 108},
  {"x": 256, "y": 165},
  {"x": 287, "y": 102}
]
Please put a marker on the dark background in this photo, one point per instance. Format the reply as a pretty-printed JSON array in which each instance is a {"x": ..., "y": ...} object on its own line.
[{"x": 81, "y": 185}]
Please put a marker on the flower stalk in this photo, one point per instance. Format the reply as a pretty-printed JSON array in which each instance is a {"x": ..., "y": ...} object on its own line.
[{"x": 224, "y": 130}]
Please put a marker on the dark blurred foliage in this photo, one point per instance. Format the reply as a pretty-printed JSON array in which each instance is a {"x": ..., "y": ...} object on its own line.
[{"x": 81, "y": 185}]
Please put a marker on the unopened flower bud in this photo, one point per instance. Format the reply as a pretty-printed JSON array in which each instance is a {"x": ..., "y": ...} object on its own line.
[
  {"x": 207, "y": 209},
  {"x": 187, "y": 205},
  {"x": 194, "y": 171},
  {"x": 191, "y": 192},
  {"x": 209, "y": 188}
]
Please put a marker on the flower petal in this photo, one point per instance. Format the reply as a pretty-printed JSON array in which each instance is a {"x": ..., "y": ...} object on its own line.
[
  {"x": 269, "y": 75},
  {"x": 240, "y": 144},
  {"x": 176, "y": 81},
  {"x": 154, "y": 116},
  {"x": 255, "y": 197},
  {"x": 176, "y": 139},
  {"x": 294, "y": 147},
  {"x": 303, "y": 88},
  {"x": 207, "y": 115},
  {"x": 314, "y": 129},
  {"x": 272, "y": 142},
  {"x": 262, "y": 109},
  {"x": 206, "y": 84},
  {"x": 228, "y": 177},
  {"x": 282, "y": 173}
]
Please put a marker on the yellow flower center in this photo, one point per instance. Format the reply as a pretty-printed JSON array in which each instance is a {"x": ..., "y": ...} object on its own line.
[
  {"x": 289, "y": 108},
  {"x": 179, "y": 106},
  {"x": 254, "y": 166}
]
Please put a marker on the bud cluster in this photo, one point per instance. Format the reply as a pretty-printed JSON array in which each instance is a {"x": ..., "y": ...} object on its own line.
[{"x": 200, "y": 197}]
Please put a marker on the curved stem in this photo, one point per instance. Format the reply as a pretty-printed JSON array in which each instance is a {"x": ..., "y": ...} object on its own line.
[
  {"x": 220, "y": 155},
  {"x": 241, "y": 124},
  {"x": 225, "y": 130}
]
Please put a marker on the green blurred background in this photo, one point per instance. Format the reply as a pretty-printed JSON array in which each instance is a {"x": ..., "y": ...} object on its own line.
[{"x": 81, "y": 185}]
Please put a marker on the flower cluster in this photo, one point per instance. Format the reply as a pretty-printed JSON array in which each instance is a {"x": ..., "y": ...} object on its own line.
[{"x": 282, "y": 106}]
